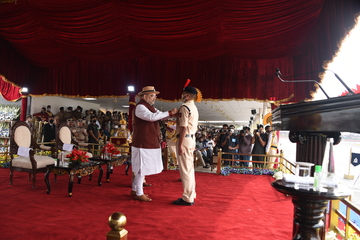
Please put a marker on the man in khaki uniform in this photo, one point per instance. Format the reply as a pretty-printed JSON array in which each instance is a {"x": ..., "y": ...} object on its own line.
[
  {"x": 80, "y": 132},
  {"x": 171, "y": 140},
  {"x": 186, "y": 127},
  {"x": 271, "y": 146}
]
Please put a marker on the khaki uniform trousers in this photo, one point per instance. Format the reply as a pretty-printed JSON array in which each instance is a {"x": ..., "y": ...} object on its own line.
[
  {"x": 271, "y": 160},
  {"x": 172, "y": 149},
  {"x": 186, "y": 169},
  {"x": 198, "y": 155}
]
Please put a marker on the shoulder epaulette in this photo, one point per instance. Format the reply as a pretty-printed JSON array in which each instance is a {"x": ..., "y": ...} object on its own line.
[{"x": 187, "y": 108}]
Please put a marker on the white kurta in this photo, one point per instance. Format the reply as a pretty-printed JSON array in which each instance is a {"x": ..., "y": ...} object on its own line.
[{"x": 147, "y": 161}]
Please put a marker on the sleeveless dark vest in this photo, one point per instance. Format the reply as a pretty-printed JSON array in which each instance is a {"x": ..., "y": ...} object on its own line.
[{"x": 145, "y": 134}]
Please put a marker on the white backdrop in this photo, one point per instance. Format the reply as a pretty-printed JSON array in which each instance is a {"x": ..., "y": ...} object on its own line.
[{"x": 36, "y": 103}]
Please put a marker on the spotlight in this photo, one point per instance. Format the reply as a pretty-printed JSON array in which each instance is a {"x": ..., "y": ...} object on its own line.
[
  {"x": 253, "y": 111},
  {"x": 131, "y": 88},
  {"x": 251, "y": 118}
]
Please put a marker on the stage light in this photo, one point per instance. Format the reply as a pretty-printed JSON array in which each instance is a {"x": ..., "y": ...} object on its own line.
[{"x": 131, "y": 89}]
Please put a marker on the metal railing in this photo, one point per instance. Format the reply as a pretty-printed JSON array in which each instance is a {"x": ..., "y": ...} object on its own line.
[
  {"x": 341, "y": 223},
  {"x": 284, "y": 165}
]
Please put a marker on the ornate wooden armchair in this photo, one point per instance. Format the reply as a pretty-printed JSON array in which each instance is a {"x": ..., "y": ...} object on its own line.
[
  {"x": 24, "y": 145},
  {"x": 65, "y": 136}
]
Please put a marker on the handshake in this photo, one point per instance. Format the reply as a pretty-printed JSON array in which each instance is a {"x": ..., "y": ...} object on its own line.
[{"x": 173, "y": 112}]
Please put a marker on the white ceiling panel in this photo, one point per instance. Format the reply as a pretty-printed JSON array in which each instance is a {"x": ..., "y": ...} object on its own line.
[{"x": 213, "y": 113}]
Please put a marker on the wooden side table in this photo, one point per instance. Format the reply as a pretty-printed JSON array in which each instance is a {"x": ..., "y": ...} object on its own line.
[
  {"x": 110, "y": 163},
  {"x": 309, "y": 207},
  {"x": 82, "y": 169}
]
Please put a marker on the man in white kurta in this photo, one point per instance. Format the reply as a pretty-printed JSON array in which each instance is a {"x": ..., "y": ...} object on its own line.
[{"x": 146, "y": 150}]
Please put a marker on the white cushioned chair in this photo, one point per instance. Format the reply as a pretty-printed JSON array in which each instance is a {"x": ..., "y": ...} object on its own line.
[
  {"x": 65, "y": 136},
  {"x": 24, "y": 145}
]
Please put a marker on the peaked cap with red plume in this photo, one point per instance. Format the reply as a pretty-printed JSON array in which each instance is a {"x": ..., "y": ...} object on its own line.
[{"x": 192, "y": 90}]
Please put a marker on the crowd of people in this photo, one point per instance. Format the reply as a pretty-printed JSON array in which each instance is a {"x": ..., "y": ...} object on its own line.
[
  {"x": 97, "y": 127},
  {"x": 210, "y": 140},
  {"x": 88, "y": 126},
  {"x": 153, "y": 131}
]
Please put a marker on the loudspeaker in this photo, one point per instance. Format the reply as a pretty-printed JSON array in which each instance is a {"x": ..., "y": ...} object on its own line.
[{"x": 253, "y": 111}]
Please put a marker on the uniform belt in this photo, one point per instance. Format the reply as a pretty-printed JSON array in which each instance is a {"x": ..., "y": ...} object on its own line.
[
  {"x": 273, "y": 146},
  {"x": 186, "y": 135}
]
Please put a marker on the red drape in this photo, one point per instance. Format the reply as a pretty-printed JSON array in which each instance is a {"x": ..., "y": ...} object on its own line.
[
  {"x": 23, "y": 109},
  {"x": 132, "y": 104},
  {"x": 229, "y": 49},
  {"x": 8, "y": 90}
]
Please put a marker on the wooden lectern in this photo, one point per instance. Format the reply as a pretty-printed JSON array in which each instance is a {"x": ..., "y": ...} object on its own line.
[{"x": 310, "y": 124}]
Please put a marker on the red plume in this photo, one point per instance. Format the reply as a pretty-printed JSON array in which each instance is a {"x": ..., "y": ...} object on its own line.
[{"x": 187, "y": 83}]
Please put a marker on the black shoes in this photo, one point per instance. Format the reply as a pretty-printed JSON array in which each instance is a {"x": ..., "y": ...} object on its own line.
[
  {"x": 181, "y": 202},
  {"x": 207, "y": 166}
]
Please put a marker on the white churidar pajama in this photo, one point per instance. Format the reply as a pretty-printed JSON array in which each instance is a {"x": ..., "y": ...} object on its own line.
[{"x": 146, "y": 161}]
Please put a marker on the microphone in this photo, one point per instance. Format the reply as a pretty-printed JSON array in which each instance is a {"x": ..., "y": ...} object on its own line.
[
  {"x": 351, "y": 92},
  {"x": 279, "y": 75},
  {"x": 277, "y": 72}
]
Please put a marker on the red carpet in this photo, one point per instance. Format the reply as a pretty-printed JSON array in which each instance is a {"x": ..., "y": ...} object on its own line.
[{"x": 227, "y": 207}]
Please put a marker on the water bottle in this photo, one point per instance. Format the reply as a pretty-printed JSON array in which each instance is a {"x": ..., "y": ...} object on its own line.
[{"x": 317, "y": 178}]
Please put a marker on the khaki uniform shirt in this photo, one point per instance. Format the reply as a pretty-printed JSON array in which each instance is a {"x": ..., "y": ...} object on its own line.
[
  {"x": 188, "y": 117},
  {"x": 80, "y": 133}
]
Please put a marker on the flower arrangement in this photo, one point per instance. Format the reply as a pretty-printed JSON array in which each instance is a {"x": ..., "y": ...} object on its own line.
[
  {"x": 9, "y": 112},
  {"x": 44, "y": 153},
  {"x": 278, "y": 175},
  {"x": 5, "y": 160},
  {"x": 78, "y": 156},
  {"x": 331, "y": 235},
  {"x": 227, "y": 170},
  {"x": 110, "y": 148}
]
